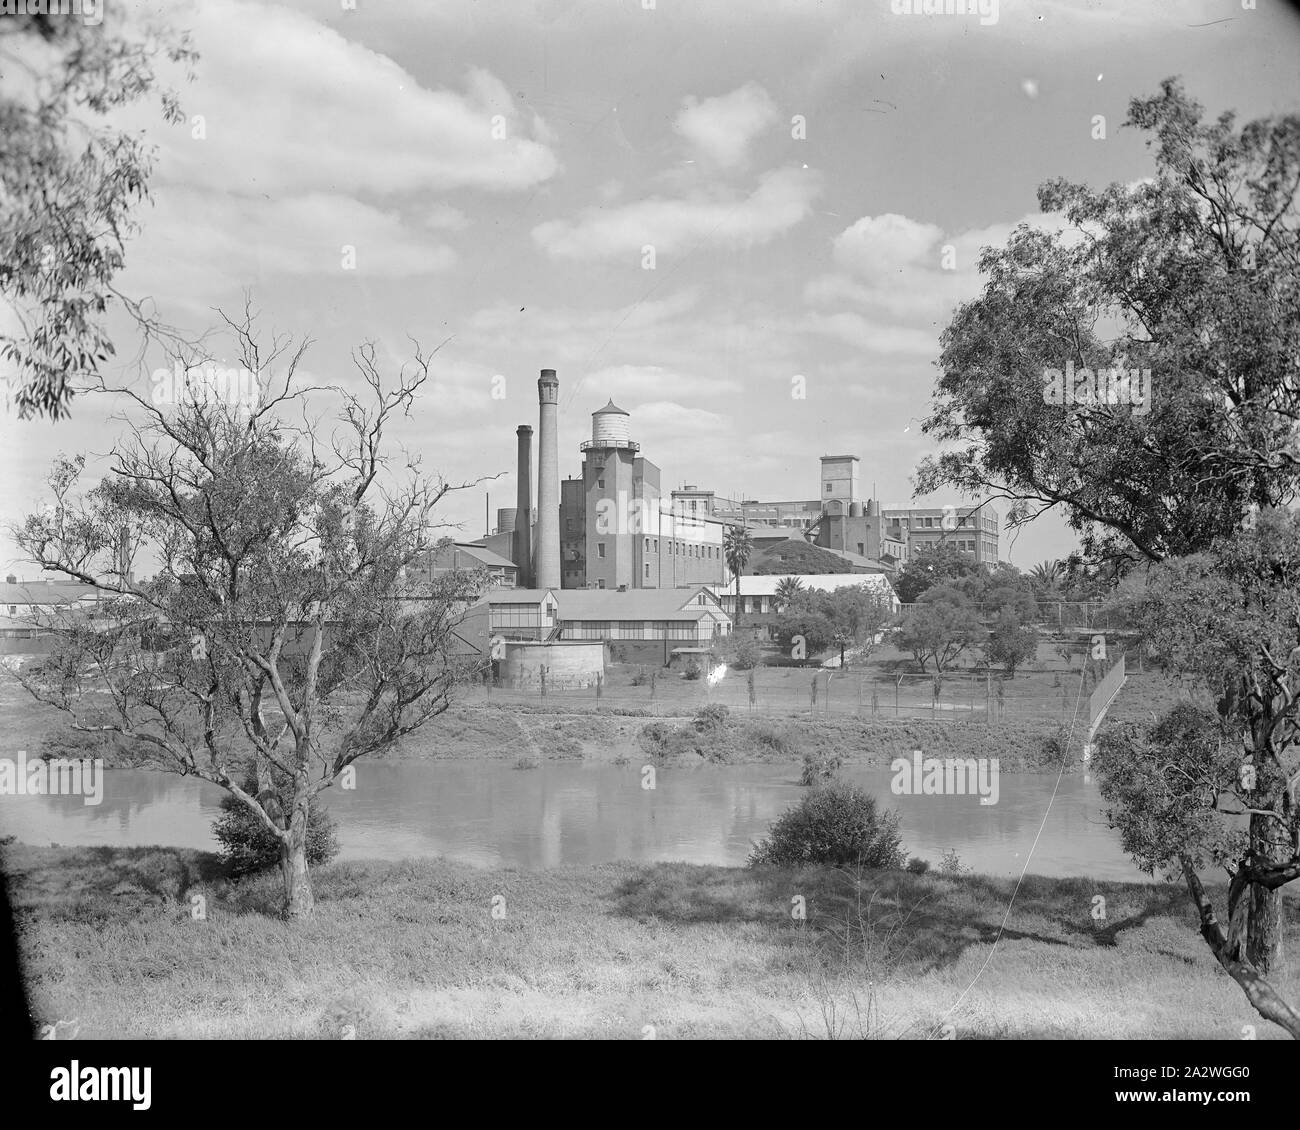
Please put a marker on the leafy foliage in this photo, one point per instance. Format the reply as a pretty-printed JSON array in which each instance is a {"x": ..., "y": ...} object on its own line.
[
  {"x": 941, "y": 626},
  {"x": 248, "y": 845},
  {"x": 1198, "y": 268},
  {"x": 70, "y": 189},
  {"x": 839, "y": 825}
]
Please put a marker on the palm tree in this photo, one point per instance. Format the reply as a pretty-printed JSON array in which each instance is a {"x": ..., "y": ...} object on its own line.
[
  {"x": 787, "y": 588},
  {"x": 1047, "y": 575},
  {"x": 736, "y": 548}
]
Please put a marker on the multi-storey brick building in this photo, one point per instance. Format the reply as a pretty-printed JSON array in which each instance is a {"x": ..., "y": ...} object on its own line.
[{"x": 618, "y": 530}]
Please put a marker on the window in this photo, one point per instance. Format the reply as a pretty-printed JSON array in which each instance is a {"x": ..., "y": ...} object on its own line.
[
  {"x": 656, "y": 545},
  {"x": 600, "y": 483},
  {"x": 600, "y": 584},
  {"x": 647, "y": 570},
  {"x": 600, "y": 549},
  {"x": 829, "y": 487},
  {"x": 568, "y": 523},
  {"x": 647, "y": 545}
]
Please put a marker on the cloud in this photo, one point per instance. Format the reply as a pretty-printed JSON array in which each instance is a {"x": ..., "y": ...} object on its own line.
[
  {"x": 721, "y": 129},
  {"x": 204, "y": 245},
  {"x": 879, "y": 246},
  {"x": 655, "y": 380},
  {"x": 782, "y": 199},
  {"x": 371, "y": 127},
  {"x": 875, "y": 337}
]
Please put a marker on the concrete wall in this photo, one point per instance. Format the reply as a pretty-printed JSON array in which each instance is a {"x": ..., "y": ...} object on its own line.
[{"x": 569, "y": 664}]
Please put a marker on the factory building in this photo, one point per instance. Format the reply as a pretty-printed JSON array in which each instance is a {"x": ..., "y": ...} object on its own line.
[
  {"x": 618, "y": 531},
  {"x": 840, "y": 520},
  {"x": 971, "y": 529}
]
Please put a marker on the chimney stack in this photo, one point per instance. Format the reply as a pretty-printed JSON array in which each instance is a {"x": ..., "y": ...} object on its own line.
[
  {"x": 547, "y": 575},
  {"x": 523, "y": 552}
]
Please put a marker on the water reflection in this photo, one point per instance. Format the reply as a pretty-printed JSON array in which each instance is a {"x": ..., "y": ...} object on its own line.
[{"x": 569, "y": 812}]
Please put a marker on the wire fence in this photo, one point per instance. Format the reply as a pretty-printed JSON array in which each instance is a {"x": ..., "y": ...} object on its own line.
[
  {"x": 956, "y": 697},
  {"x": 1060, "y": 615}
]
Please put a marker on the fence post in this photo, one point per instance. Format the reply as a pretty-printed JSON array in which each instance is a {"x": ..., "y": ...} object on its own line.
[
  {"x": 813, "y": 693},
  {"x": 600, "y": 678},
  {"x": 897, "y": 684},
  {"x": 875, "y": 700},
  {"x": 543, "y": 681},
  {"x": 654, "y": 677},
  {"x": 753, "y": 698}
]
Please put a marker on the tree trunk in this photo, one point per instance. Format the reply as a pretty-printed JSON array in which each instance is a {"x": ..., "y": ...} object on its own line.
[
  {"x": 1262, "y": 996},
  {"x": 1264, "y": 936},
  {"x": 298, "y": 898}
]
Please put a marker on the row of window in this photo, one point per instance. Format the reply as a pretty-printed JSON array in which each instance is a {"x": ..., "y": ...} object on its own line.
[{"x": 675, "y": 548}]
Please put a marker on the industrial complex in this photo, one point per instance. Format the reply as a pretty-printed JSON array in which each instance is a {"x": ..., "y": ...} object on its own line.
[{"x": 606, "y": 559}]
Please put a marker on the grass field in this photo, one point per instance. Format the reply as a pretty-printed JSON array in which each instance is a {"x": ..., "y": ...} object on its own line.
[{"x": 413, "y": 950}]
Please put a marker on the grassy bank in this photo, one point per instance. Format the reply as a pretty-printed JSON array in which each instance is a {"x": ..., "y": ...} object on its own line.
[
  {"x": 413, "y": 950},
  {"x": 542, "y": 731},
  {"x": 498, "y": 732}
]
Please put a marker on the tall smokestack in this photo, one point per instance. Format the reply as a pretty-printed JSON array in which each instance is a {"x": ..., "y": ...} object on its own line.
[
  {"x": 523, "y": 546},
  {"x": 548, "y": 482}
]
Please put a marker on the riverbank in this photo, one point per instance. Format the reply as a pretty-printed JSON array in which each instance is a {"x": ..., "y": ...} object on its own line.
[
  {"x": 531, "y": 732},
  {"x": 726, "y": 738},
  {"x": 413, "y": 950}
]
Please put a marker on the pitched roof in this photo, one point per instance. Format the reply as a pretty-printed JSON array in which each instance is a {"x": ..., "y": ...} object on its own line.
[
  {"x": 635, "y": 604},
  {"x": 518, "y": 596},
  {"x": 823, "y": 582},
  {"x": 610, "y": 409},
  {"x": 487, "y": 556},
  {"x": 46, "y": 592}
]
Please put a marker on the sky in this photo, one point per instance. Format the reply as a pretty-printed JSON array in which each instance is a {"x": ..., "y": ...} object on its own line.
[{"x": 698, "y": 209}]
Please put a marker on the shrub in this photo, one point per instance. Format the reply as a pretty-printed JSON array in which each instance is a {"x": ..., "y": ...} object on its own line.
[
  {"x": 918, "y": 866},
  {"x": 819, "y": 768},
  {"x": 693, "y": 670},
  {"x": 837, "y": 824},
  {"x": 951, "y": 864},
  {"x": 247, "y": 845},
  {"x": 746, "y": 654},
  {"x": 712, "y": 718},
  {"x": 774, "y": 742}
]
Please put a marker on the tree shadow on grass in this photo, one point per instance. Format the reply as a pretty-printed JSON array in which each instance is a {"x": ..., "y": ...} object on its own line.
[{"x": 918, "y": 922}]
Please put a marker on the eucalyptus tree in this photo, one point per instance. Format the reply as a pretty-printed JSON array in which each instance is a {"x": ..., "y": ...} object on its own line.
[{"x": 280, "y": 639}]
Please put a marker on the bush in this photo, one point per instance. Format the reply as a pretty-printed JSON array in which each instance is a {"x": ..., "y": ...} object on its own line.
[
  {"x": 247, "y": 845},
  {"x": 819, "y": 768},
  {"x": 951, "y": 864},
  {"x": 746, "y": 654},
  {"x": 918, "y": 866},
  {"x": 774, "y": 742},
  {"x": 837, "y": 824},
  {"x": 712, "y": 718},
  {"x": 693, "y": 670}
]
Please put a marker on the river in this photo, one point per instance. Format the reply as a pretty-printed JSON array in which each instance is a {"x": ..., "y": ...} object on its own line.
[{"x": 489, "y": 814}]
